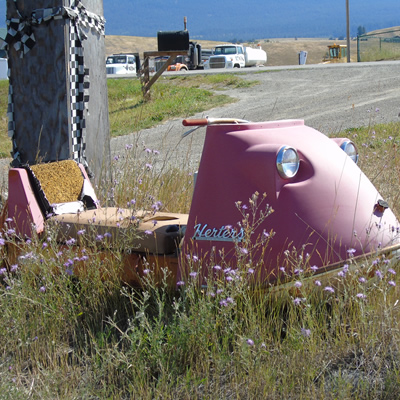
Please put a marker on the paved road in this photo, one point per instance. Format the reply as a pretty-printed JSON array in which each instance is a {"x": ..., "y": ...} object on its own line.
[{"x": 330, "y": 98}]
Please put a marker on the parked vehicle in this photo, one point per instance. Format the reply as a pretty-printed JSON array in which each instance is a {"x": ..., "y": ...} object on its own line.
[
  {"x": 3, "y": 68},
  {"x": 336, "y": 53},
  {"x": 325, "y": 209},
  {"x": 181, "y": 64},
  {"x": 236, "y": 56},
  {"x": 194, "y": 59},
  {"x": 118, "y": 64}
]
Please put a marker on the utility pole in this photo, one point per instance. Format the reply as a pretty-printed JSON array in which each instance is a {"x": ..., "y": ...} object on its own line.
[
  {"x": 58, "y": 107},
  {"x": 348, "y": 30}
]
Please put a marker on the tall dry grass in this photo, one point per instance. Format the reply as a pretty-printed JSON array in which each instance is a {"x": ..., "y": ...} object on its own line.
[{"x": 67, "y": 337}]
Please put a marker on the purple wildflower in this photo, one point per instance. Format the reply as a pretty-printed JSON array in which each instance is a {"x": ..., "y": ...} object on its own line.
[
  {"x": 392, "y": 283},
  {"x": 148, "y": 232},
  {"x": 193, "y": 274},
  {"x": 250, "y": 271},
  {"x": 298, "y": 271},
  {"x": 297, "y": 301},
  {"x": 80, "y": 232},
  {"x": 250, "y": 342},
  {"x": 14, "y": 268},
  {"x": 314, "y": 268},
  {"x": 329, "y": 289},
  {"x": 244, "y": 251},
  {"x": 351, "y": 251},
  {"x": 42, "y": 289},
  {"x": 3, "y": 271},
  {"x": 298, "y": 284},
  {"x": 306, "y": 332},
  {"x": 70, "y": 242},
  {"x": 180, "y": 283},
  {"x": 391, "y": 271},
  {"x": 379, "y": 274},
  {"x": 217, "y": 267},
  {"x": 361, "y": 296},
  {"x": 362, "y": 279},
  {"x": 317, "y": 283},
  {"x": 146, "y": 271}
]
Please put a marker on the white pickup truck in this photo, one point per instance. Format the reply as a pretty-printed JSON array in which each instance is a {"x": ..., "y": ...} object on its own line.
[
  {"x": 121, "y": 64},
  {"x": 236, "y": 56}
]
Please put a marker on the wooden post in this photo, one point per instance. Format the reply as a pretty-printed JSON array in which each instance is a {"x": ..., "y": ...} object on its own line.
[
  {"x": 147, "y": 83},
  {"x": 58, "y": 106}
]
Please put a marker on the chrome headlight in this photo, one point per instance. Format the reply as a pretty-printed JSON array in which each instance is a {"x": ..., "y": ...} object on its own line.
[
  {"x": 350, "y": 149},
  {"x": 287, "y": 162}
]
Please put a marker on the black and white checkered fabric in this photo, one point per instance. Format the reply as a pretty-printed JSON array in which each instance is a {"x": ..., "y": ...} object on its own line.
[{"x": 20, "y": 35}]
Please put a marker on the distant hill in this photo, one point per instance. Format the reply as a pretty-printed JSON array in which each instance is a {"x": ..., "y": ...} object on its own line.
[{"x": 244, "y": 20}]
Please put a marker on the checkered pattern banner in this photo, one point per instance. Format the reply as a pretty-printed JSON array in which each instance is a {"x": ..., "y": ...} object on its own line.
[{"x": 20, "y": 35}]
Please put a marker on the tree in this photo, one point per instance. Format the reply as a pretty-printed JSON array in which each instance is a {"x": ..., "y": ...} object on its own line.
[{"x": 361, "y": 30}]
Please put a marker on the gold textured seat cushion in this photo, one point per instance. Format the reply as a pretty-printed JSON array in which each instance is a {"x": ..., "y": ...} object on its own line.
[{"x": 146, "y": 232}]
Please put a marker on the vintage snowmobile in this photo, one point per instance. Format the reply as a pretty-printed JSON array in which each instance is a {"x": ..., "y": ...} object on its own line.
[{"x": 324, "y": 207}]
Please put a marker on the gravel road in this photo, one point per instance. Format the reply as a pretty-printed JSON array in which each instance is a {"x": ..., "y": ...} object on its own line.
[{"x": 329, "y": 98}]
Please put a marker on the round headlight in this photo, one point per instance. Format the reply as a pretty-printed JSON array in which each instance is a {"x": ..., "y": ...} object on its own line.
[
  {"x": 350, "y": 149},
  {"x": 287, "y": 162}
]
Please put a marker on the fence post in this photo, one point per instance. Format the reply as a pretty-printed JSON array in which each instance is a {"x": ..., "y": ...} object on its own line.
[{"x": 58, "y": 105}]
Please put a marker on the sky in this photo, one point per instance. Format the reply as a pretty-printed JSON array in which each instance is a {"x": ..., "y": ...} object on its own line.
[{"x": 224, "y": 20}]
